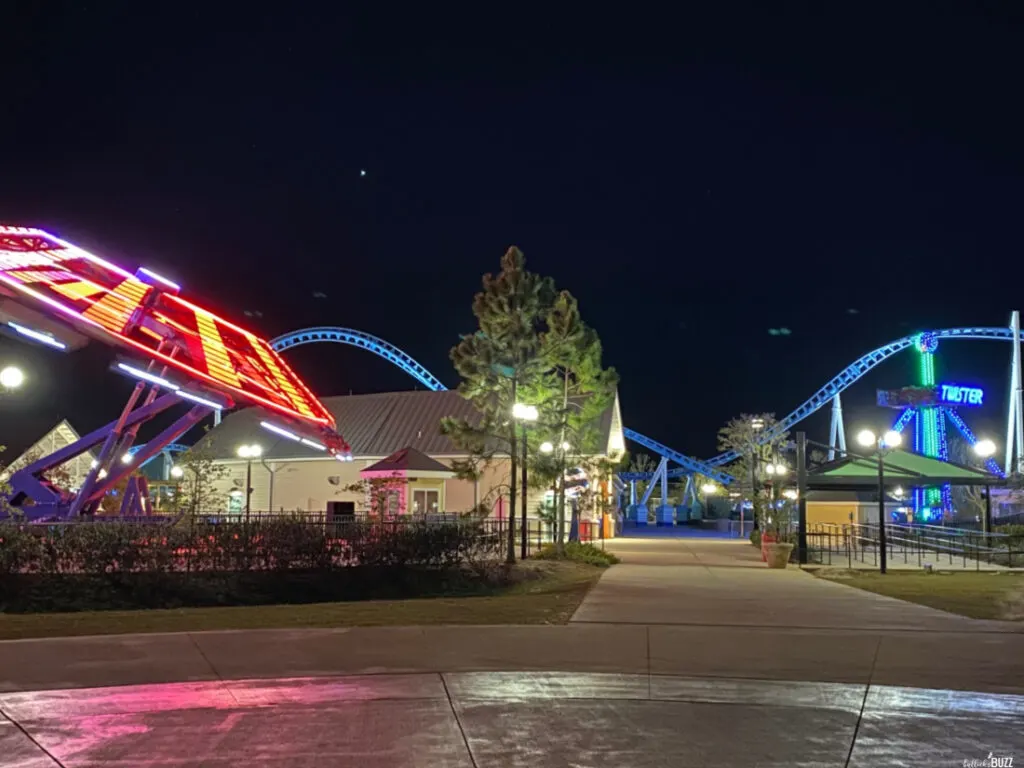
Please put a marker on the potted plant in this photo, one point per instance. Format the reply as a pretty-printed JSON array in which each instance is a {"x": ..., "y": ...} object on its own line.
[{"x": 775, "y": 550}]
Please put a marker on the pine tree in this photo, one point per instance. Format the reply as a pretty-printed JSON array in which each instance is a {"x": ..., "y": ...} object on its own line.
[
  {"x": 495, "y": 362},
  {"x": 576, "y": 390}
]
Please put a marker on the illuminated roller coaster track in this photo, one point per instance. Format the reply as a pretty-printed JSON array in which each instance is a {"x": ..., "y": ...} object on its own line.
[
  {"x": 853, "y": 372},
  {"x": 393, "y": 354},
  {"x": 827, "y": 394}
]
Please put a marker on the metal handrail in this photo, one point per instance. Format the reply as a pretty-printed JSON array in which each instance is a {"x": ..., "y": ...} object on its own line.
[{"x": 859, "y": 541}]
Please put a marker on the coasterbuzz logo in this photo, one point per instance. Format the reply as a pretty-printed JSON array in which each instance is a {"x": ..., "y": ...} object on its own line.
[{"x": 992, "y": 761}]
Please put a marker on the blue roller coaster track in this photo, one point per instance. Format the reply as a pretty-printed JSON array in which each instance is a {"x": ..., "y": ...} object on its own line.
[
  {"x": 394, "y": 355},
  {"x": 822, "y": 397},
  {"x": 855, "y": 371},
  {"x": 370, "y": 343},
  {"x": 168, "y": 450}
]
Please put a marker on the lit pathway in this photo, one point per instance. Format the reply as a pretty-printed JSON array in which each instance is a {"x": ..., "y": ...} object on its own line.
[
  {"x": 718, "y": 582},
  {"x": 528, "y": 719},
  {"x": 688, "y": 654}
]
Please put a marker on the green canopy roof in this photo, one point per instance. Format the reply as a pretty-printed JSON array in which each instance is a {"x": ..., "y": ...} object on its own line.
[{"x": 899, "y": 467}]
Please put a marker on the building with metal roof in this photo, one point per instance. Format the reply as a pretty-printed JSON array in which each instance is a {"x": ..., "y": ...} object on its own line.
[{"x": 290, "y": 476}]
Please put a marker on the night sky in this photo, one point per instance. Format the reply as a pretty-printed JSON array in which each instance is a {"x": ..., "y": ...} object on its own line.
[{"x": 695, "y": 180}]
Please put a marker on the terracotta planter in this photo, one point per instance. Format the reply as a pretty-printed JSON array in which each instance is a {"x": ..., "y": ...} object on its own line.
[{"x": 777, "y": 554}]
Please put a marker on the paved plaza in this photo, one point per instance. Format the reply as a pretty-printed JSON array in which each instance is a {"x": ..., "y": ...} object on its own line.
[{"x": 690, "y": 653}]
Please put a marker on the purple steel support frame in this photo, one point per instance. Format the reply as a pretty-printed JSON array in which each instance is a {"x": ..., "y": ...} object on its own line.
[
  {"x": 136, "y": 498},
  {"x": 28, "y": 483},
  {"x": 153, "y": 447}
]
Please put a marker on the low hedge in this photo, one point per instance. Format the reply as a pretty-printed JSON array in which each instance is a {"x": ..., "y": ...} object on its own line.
[
  {"x": 67, "y": 592},
  {"x": 100, "y": 565},
  {"x": 278, "y": 545}
]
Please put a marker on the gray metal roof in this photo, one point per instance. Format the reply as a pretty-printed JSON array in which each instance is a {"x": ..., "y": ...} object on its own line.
[{"x": 374, "y": 425}]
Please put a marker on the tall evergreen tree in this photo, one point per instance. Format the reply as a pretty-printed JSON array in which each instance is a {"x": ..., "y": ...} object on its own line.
[
  {"x": 576, "y": 390},
  {"x": 495, "y": 362}
]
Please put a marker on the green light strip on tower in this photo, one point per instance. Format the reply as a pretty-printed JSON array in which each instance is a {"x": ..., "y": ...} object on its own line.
[{"x": 927, "y": 369}]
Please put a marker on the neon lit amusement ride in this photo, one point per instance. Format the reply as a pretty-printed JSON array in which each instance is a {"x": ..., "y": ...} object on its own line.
[
  {"x": 59, "y": 295},
  {"x": 928, "y": 406}
]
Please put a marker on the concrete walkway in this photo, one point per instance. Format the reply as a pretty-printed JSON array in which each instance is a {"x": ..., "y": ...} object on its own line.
[
  {"x": 711, "y": 582},
  {"x": 490, "y": 719},
  {"x": 689, "y": 653}
]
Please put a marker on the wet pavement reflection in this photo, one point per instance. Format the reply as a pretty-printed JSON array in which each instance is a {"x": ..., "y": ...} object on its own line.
[{"x": 484, "y": 719}]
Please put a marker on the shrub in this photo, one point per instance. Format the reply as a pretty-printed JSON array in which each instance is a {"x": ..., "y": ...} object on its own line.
[
  {"x": 578, "y": 552},
  {"x": 279, "y": 545},
  {"x": 104, "y": 565},
  {"x": 1014, "y": 536},
  {"x": 755, "y": 537}
]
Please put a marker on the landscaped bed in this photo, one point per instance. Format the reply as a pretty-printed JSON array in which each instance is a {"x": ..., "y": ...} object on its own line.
[
  {"x": 111, "y": 578},
  {"x": 535, "y": 593},
  {"x": 986, "y": 595}
]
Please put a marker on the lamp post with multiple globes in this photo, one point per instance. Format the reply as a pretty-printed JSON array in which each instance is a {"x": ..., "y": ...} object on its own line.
[
  {"x": 249, "y": 452},
  {"x": 883, "y": 444},
  {"x": 986, "y": 449},
  {"x": 524, "y": 414}
]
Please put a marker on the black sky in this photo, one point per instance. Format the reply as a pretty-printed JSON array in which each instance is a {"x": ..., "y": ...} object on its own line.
[{"x": 695, "y": 179}]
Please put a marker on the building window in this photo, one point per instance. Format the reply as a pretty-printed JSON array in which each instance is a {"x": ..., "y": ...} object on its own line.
[{"x": 426, "y": 502}]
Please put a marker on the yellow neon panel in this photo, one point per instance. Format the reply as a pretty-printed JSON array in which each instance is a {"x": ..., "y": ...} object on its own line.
[
  {"x": 298, "y": 400},
  {"x": 218, "y": 364},
  {"x": 80, "y": 290},
  {"x": 115, "y": 309}
]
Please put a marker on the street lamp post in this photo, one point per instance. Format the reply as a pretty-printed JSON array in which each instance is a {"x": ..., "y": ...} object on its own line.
[
  {"x": 774, "y": 469},
  {"x": 888, "y": 441},
  {"x": 249, "y": 452},
  {"x": 523, "y": 414},
  {"x": 985, "y": 449}
]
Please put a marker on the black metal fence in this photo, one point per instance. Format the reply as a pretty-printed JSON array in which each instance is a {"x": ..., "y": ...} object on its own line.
[{"x": 857, "y": 545}]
